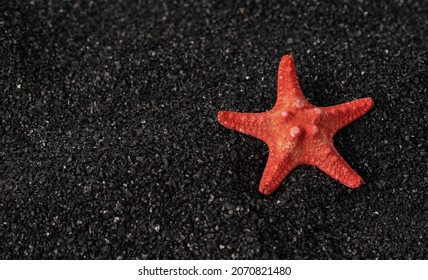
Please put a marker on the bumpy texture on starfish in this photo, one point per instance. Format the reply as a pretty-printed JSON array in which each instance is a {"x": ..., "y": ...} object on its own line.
[{"x": 298, "y": 132}]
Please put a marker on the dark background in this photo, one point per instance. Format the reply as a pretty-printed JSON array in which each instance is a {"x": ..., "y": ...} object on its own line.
[{"x": 110, "y": 146}]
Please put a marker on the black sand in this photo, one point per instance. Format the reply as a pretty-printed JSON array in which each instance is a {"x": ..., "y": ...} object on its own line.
[{"x": 110, "y": 148}]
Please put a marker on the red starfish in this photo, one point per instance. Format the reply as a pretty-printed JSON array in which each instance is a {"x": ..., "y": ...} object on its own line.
[{"x": 298, "y": 132}]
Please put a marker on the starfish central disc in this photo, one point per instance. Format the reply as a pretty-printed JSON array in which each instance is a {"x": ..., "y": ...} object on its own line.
[{"x": 298, "y": 132}]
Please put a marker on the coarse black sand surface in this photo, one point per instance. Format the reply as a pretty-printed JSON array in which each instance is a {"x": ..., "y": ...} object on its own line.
[{"x": 110, "y": 147}]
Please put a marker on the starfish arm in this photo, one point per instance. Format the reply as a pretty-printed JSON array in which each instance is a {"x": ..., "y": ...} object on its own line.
[
  {"x": 278, "y": 166},
  {"x": 332, "y": 163},
  {"x": 248, "y": 123},
  {"x": 288, "y": 86},
  {"x": 341, "y": 115}
]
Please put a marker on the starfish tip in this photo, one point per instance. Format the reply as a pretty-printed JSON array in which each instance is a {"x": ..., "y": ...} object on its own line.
[
  {"x": 287, "y": 59},
  {"x": 353, "y": 182},
  {"x": 265, "y": 189},
  {"x": 367, "y": 102},
  {"x": 357, "y": 184},
  {"x": 370, "y": 102},
  {"x": 288, "y": 56},
  {"x": 221, "y": 116}
]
